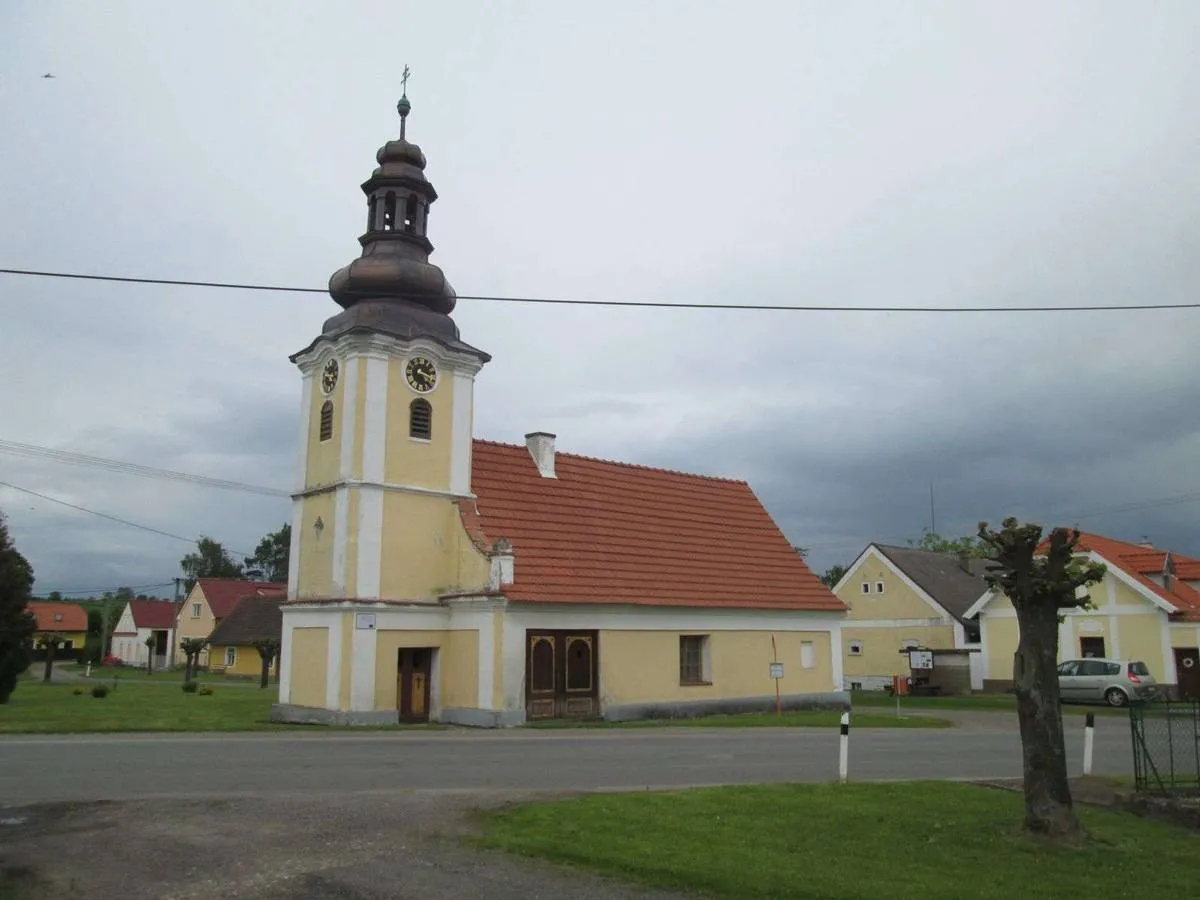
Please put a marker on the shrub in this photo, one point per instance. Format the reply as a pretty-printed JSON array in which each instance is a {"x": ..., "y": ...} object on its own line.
[
  {"x": 205, "y": 691},
  {"x": 100, "y": 691},
  {"x": 78, "y": 692},
  {"x": 190, "y": 687}
]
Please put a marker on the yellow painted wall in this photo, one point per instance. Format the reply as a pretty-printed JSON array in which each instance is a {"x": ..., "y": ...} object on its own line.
[
  {"x": 324, "y": 457},
  {"x": 1185, "y": 634},
  {"x": 246, "y": 662},
  {"x": 408, "y": 461},
  {"x": 1125, "y": 595},
  {"x": 316, "y": 553},
  {"x": 426, "y": 549},
  {"x": 458, "y": 665},
  {"x": 360, "y": 419},
  {"x": 310, "y": 665},
  {"x": 1002, "y": 637},
  {"x": 1141, "y": 638},
  {"x": 350, "y": 578},
  {"x": 643, "y": 666},
  {"x": 881, "y": 648},
  {"x": 898, "y": 600},
  {"x": 190, "y": 626},
  {"x": 77, "y": 638}
]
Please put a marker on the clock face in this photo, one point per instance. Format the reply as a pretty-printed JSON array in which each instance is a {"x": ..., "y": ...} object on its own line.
[
  {"x": 329, "y": 376},
  {"x": 421, "y": 374}
]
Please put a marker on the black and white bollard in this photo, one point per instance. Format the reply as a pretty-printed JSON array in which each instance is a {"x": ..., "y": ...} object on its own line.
[
  {"x": 1089, "y": 738},
  {"x": 844, "y": 748}
]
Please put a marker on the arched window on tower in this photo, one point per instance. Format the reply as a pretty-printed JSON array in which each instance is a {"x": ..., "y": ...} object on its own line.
[
  {"x": 410, "y": 213},
  {"x": 420, "y": 420},
  {"x": 327, "y": 420},
  {"x": 372, "y": 209},
  {"x": 389, "y": 211}
]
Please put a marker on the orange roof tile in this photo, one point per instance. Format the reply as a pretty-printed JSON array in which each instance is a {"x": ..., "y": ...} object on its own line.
[
  {"x": 53, "y": 616},
  {"x": 223, "y": 594},
  {"x": 1138, "y": 561},
  {"x": 609, "y": 532}
]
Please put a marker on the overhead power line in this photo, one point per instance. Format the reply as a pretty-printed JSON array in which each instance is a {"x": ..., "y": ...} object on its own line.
[
  {"x": 108, "y": 590},
  {"x": 92, "y": 512},
  {"x": 648, "y": 304},
  {"x": 32, "y": 451}
]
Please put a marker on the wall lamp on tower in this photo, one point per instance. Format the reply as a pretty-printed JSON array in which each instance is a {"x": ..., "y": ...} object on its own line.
[{"x": 318, "y": 527}]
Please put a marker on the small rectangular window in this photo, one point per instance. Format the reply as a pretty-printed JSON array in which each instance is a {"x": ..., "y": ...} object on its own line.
[
  {"x": 420, "y": 420},
  {"x": 866, "y": 587},
  {"x": 808, "y": 657},
  {"x": 693, "y": 659},
  {"x": 879, "y": 587},
  {"x": 230, "y": 656},
  {"x": 195, "y": 610},
  {"x": 327, "y": 420},
  {"x": 1091, "y": 647},
  {"x": 856, "y": 648}
]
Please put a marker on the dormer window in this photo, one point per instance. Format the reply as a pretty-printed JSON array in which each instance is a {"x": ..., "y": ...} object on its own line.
[
  {"x": 327, "y": 420},
  {"x": 58, "y": 617}
]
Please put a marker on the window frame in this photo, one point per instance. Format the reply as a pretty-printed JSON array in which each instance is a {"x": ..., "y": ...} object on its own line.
[
  {"x": 230, "y": 657},
  {"x": 865, "y": 587},
  {"x": 325, "y": 422},
  {"x": 422, "y": 404},
  {"x": 808, "y": 660},
  {"x": 197, "y": 611},
  {"x": 879, "y": 587},
  {"x": 704, "y": 662},
  {"x": 854, "y": 648}
]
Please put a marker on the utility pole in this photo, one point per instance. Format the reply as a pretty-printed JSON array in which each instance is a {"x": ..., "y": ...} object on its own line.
[{"x": 175, "y": 627}]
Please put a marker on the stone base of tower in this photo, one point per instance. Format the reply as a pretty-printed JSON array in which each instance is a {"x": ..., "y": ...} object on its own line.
[{"x": 347, "y": 662}]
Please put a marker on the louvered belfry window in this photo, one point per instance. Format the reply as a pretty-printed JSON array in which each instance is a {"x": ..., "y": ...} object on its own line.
[
  {"x": 420, "y": 420},
  {"x": 327, "y": 420}
]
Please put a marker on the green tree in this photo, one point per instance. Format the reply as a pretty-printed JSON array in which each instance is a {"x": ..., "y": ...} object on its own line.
[
  {"x": 833, "y": 575},
  {"x": 272, "y": 554},
  {"x": 268, "y": 649},
  {"x": 931, "y": 540},
  {"x": 17, "y": 624},
  {"x": 55, "y": 597},
  {"x": 1039, "y": 586},
  {"x": 210, "y": 560}
]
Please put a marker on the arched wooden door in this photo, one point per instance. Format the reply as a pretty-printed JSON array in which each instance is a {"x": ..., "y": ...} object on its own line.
[{"x": 562, "y": 674}]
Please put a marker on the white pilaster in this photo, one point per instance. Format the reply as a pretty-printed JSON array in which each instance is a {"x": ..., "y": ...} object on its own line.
[
  {"x": 294, "y": 549},
  {"x": 302, "y": 438},
  {"x": 362, "y": 668},
  {"x": 333, "y": 664},
  {"x": 370, "y": 541},
  {"x": 460, "y": 432},
  {"x": 487, "y": 659},
  {"x": 285, "y": 662},
  {"x": 341, "y": 536},
  {"x": 1066, "y": 639},
  {"x": 375, "y": 419},
  {"x": 349, "y": 412}
]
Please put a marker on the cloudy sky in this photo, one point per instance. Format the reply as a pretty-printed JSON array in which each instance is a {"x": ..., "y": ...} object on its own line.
[{"x": 851, "y": 154}]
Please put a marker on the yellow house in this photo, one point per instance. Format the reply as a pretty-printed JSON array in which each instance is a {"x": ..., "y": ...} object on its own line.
[
  {"x": 439, "y": 577},
  {"x": 231, "y": 645},
  {"x": 66, "y": 620},
  {"x": 901, "y": 598},
  {"x": 1147, "y": 608},
  {"x": 208, "y": 602}
]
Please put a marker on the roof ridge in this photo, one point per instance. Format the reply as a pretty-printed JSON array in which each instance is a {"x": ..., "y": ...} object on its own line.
[{"x": 621, "y": 464}]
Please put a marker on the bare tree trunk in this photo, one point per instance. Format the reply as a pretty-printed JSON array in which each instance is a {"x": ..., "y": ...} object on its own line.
[
  {"x": 1048, "y": 807},
  {"x": 49, "y": 671},
  {"x": 266, "y": 671}
]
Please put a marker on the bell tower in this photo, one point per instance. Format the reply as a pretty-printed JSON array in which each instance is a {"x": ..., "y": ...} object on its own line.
[{"x": 386, "y": 416}]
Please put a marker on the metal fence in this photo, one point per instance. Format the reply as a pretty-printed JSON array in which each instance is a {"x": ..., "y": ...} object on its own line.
[{"x": 1166, "y": 746}]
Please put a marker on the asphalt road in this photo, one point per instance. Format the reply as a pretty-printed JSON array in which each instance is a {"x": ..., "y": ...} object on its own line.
[{"x": 126, "y": 767}]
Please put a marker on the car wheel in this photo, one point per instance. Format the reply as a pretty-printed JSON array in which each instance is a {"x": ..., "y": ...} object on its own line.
[{"x": 1115, "y": 697}]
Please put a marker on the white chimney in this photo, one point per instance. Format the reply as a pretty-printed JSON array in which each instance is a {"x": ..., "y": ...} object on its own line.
[{"x": 541, "y": 448}]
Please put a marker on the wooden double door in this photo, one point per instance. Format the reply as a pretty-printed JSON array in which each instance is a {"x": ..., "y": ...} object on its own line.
[
  {"x": 413, "y": 668},
  {"x": 562, "y": 674}
]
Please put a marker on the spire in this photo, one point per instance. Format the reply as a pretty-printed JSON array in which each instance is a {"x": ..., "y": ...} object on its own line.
[{"x": 394, "y": 265}]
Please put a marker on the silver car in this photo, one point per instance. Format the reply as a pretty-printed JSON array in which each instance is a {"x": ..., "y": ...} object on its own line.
[{"x": 1113, "y": 681}]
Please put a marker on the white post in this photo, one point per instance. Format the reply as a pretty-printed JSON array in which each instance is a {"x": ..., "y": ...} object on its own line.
[
  {"x": 844, "y": 748},
  {"x": 88, "y": 673},
  {"x": 1089, "y": 735}
]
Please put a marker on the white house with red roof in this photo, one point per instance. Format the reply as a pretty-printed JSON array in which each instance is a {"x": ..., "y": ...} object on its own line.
[
  {"x": 439, "y": 577},
  {"x": 1147, "y": 608},
  {"x": 140, "y": 621}
]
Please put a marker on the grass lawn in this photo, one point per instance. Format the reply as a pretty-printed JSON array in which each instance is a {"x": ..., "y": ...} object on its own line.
[
  {"x": 802, "y": 718},
  {"x": 982, "y": 702},
  {"x": 920, "y": 840}
]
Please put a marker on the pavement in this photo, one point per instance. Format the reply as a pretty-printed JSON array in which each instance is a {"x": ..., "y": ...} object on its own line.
[{"x": 348, "y": 814}]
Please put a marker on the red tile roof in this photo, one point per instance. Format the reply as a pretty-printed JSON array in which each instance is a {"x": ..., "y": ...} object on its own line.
[
  {"x": 608, "y": 532},
  {"x": 223, "y": 594},
  {"x": 74, "y": 617},
  {"x": 1138, "y": 561},
  {"x": 156, "y": 614}
]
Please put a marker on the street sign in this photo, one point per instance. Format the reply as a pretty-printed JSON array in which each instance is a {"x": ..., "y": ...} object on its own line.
[{"x": 776, "y": 670}]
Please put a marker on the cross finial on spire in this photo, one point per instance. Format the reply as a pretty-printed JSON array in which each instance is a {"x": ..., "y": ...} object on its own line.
[{"x": 404, "y": 106}]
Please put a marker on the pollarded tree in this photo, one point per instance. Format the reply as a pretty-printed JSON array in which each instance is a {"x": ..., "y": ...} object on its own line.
[
  {"x": 268, "y": 649},
  {"x": 17, "y": 624},
  {"x": 192, "y": 648},
  {"x": 1039, "y": 587},
  {"x": 49, "y": 642}
]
